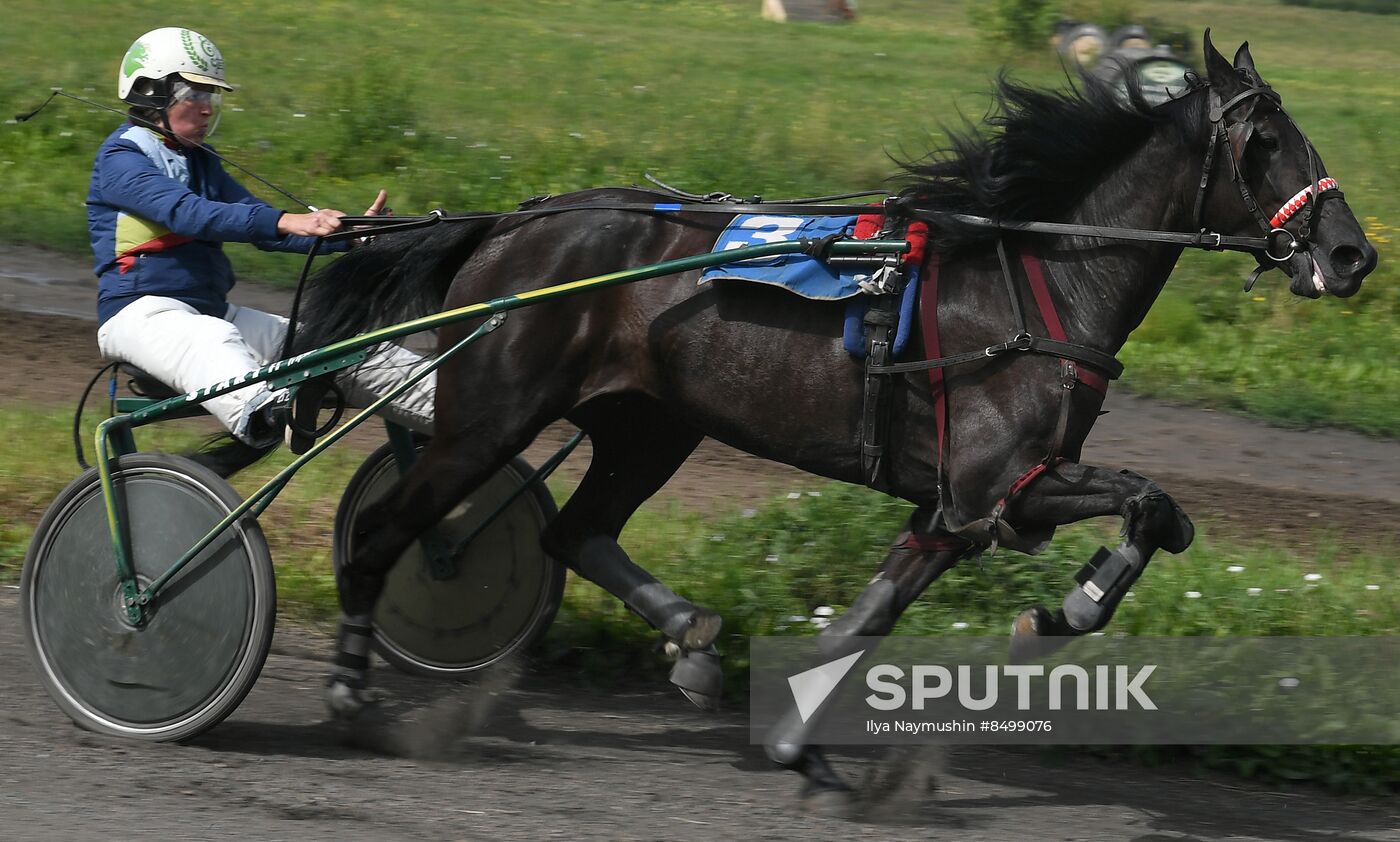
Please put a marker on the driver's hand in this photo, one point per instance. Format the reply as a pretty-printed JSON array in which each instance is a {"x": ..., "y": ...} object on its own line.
[
  {"x": 380, "y": 207},
  {"x": 315, "y": 224}
]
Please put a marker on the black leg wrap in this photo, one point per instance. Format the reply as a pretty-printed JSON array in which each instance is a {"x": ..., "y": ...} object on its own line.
[
  {"x": 603, "y": 562},
  {"x": 1102, "y": 583},
  {"x": 786, "y": 742},
  {"x": 871, "y": 614},
  {"x": 352, "y": 651}
]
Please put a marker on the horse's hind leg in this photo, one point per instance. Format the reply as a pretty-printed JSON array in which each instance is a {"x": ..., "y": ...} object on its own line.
[
  {"x": 447, "y": 471},
  {"x": 1151, "y": 521},
  {"x": 637, "y": 446}
]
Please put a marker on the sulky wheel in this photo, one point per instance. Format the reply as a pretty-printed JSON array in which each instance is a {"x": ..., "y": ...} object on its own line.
[
  {"x": 452, "y": 609},
  {"x": 207, "y": 634}
]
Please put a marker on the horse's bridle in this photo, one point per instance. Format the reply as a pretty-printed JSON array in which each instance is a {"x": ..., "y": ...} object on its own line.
[{"x": 1234, "y": 135}]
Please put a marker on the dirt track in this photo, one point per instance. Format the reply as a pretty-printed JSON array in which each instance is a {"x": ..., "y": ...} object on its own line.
[{"x": 538, "y": 760}]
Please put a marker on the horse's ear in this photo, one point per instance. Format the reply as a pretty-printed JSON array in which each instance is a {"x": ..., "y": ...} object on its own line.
[
  {"x": 1220, "y": 71},
  {"x": 1245, "y": 61}
]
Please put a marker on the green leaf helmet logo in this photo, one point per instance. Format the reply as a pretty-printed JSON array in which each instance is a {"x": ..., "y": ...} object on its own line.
[
  {"x": 198, "y": 49},
  {"x": 135, "y": 59}
]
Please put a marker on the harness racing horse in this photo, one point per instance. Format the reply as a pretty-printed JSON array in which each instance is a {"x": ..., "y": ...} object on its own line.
[{"x": 988, "y": 451}]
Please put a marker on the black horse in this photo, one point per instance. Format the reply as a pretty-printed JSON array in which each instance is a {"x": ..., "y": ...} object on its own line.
[{"x": 649, "y": 369}]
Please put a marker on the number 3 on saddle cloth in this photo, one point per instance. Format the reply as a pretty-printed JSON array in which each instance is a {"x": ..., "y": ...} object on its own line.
[{"x": 810, "y": 277}]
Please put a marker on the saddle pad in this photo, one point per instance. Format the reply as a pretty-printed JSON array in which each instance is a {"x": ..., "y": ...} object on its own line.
[{"x": 806, "y": 276}]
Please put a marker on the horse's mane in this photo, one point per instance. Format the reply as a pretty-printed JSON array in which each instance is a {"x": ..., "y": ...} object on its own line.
[{"x": 1046, "y": 150}]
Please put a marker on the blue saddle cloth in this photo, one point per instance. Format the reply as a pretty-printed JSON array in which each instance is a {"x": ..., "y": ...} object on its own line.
[{"x": 807, "y": 276}]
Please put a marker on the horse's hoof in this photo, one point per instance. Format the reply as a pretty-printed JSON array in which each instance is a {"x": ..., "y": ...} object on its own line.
[
  {"x": 699, "y": 677},
  {"x": 347, "y": 703},
  {"x": 1036, "y": 633},
  {"x": 828, "y": 801},
  {"x": 1033, "y": 622},
  {"x": 701, "y": 631}
]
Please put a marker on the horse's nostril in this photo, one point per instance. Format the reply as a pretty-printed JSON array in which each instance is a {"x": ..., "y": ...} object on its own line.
[{"x": 1346, "y": 259}]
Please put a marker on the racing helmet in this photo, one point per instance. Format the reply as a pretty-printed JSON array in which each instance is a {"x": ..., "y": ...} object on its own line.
[{"x": 145, "y": 77}]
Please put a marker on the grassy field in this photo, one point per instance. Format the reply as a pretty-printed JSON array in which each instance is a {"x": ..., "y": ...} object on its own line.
[{"x": 471, "y": 105}]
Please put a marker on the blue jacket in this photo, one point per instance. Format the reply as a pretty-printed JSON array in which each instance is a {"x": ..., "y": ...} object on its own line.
[{"x": 158, "y": 217}]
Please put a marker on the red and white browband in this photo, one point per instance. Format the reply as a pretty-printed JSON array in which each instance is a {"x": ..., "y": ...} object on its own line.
[{"x": 1296, "y": 203}]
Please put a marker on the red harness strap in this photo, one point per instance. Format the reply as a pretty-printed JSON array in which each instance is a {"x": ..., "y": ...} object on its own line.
[
  {"x": 1036, "y": 277},
  {"x": 930, "y": 543},
  {"x": 928, "y": 305},
  {"x": 1040, "y": 290}
]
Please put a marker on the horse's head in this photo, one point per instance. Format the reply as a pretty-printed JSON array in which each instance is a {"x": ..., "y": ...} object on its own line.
[{"x": 1280, "y": 184}]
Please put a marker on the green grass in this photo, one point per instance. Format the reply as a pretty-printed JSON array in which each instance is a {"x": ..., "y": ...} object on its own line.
[{"x": 479, "y": 105}]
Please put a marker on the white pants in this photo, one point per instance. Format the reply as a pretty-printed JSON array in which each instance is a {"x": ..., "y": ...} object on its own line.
[{"x": 187, "y": 350}]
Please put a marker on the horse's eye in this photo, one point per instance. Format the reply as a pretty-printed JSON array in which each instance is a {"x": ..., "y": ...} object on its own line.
[{"x": 1267, "y": 141}]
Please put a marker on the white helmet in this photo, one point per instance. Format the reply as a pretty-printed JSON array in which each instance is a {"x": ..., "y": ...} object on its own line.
[{"x": 164, "y": 52}]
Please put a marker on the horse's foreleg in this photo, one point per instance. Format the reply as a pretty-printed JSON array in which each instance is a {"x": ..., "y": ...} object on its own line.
[
  {"x": 1152, "y": 520},
  {"x": 919, "y": 556}
]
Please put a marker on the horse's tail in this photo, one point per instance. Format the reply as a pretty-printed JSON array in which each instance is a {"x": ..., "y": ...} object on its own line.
[
  {"x": 395, "y": 278},
  {"x": 225, "y": 455}
]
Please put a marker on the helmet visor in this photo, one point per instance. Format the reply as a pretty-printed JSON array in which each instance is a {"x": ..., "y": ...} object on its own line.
[{"x": 197, "y": 100}]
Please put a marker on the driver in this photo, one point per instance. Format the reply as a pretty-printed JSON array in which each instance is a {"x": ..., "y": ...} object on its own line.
[{"x": 160, "y": 207}]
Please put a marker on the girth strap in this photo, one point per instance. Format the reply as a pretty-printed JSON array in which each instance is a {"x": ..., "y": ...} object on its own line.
[{"x": 1111, "y": 368}]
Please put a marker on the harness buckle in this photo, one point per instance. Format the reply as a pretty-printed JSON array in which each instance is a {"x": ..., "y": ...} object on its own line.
[
  {"x": 1069, "y": 377},
  {"x": 1019, "y": 342},
  {"x": 1219, "y": 239}
]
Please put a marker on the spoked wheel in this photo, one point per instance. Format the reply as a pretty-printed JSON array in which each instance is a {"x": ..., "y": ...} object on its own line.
[
  {"x": 451, "y": 609},
  {"x": 207, "y": 633}
]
